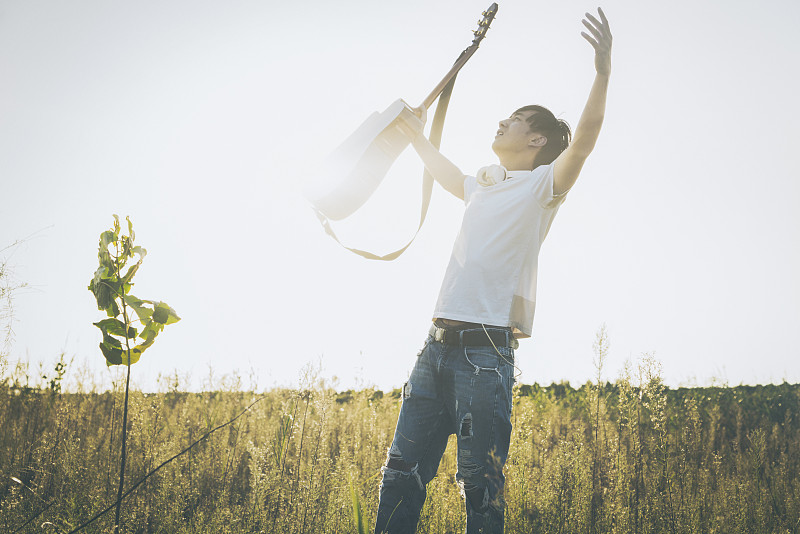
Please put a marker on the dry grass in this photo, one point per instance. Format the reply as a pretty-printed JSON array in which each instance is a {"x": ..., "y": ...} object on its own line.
[{"x": 625, "y": 457}]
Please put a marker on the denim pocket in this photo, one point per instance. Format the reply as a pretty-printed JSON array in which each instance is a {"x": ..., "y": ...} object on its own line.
[
  {"x": 490, "y": 356},
  {"x": 494, "y": 366},
  {"x": 485, "y": 357}
]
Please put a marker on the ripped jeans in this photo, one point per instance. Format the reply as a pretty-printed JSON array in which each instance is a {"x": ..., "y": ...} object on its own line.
[{"x": 458, "y": 390}]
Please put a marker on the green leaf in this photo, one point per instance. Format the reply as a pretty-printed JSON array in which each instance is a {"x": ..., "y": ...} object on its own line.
[
  {"x": 99, "y": 274},
  {"x": 131, "y": 233},
  {"x": 106, "y": 273},
  {"x": 112, "y": 350},
  {"x": 113, "y": 310},
  {"x": 108, "y": 238},
  {"x": 127, "y": 249},
  {"x": 148, "y": 334},
  {"x": 133, "y": 268},
  {"x": 136, "y": 353},
  {"x": 105, "y": 294},
  {"x": 121, "y": 260},
  {"x": 138, "y": 306},
  {"x": 164, "y": 314},
  {"x": 115, "y": 354},
  {"x": 115, "y": 327},
  {"x": 112, "y": 341},
  {"x": 108, "y": 286},
  {"x": 150, "y": 331},
  {"x": 131, "y": 271}
]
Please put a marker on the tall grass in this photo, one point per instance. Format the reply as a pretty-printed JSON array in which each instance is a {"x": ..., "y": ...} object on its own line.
[
  {"x": 632, "y": 456},
  {"x": 9, "y": 285}
]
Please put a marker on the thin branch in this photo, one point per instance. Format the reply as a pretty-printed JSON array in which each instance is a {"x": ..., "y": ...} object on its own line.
[{"x": 127, "y": 389}]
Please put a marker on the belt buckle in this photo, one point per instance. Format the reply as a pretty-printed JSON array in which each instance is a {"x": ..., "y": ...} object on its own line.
[{"x": 439, "y": 334}]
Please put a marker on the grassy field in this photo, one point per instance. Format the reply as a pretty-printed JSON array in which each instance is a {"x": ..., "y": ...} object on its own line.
[{"x": 626, "y": 457}]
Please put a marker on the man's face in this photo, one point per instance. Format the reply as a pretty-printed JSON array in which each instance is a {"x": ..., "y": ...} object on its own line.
[{"x": 513, "y": 134}]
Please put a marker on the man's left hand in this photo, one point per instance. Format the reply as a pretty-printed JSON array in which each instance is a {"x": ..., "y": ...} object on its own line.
[{"x": 600, "y": 39}]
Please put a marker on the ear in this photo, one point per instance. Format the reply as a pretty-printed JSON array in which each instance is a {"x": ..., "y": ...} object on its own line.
[{"x": 538, "y": 141}]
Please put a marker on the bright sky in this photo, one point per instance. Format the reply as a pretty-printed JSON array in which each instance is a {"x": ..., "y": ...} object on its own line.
[{"x": 199, "y": 120}]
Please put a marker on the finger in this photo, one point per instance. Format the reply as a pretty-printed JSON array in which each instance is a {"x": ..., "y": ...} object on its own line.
[
  {"x": 600, "y": 31},
  {"x": 595, "y": 31},
  {"x": 597, "y": 24},
  {"x": 592, "y": 42},
  {"x": 603, "y": 16},
  {"x": 606, "y": 26},
  {"x": 594, "y": 20}
]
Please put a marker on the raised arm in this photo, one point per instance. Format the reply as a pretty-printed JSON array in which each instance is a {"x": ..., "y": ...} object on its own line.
[
  {"x": 442, "y": 169},
  {"x": 568, "y": 165}
]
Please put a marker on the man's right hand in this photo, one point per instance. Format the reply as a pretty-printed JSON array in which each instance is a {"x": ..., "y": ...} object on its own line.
[{"x": 421, "y": 112}]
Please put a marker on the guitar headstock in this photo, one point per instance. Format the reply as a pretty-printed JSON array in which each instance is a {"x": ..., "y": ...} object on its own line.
[{"x": 484, "y": 23}]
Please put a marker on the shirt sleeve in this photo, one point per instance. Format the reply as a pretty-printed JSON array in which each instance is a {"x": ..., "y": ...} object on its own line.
[
  {"x": 543, "y": 187},
  {"x": 470, "y": 185}
]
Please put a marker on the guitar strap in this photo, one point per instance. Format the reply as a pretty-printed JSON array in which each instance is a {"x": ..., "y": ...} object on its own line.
[{"x": 435, "y": 138}]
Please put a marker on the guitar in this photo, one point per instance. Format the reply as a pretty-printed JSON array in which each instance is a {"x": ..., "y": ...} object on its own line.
[{"x": 353, "y": 172}]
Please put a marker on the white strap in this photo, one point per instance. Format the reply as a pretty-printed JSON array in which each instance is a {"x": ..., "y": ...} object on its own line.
[{"x": 427, "y": 184}]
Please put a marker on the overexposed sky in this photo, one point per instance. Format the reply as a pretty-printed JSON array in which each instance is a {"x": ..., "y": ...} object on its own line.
[{"x": 200, "y": 120}]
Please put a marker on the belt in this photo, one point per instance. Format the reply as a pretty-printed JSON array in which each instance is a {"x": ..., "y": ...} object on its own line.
[{"x": 470, "y": 336}]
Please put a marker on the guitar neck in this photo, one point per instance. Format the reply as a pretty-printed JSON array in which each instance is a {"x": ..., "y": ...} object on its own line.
[
  {"x": 480, "y": 33},
  {"x": 460, "y": 62}
]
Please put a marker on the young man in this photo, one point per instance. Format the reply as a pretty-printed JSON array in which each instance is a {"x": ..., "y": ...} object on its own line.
[{"x": 461, "y": 383}]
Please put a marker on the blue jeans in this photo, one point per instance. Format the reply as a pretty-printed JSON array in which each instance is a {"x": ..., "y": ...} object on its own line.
[{"x": 458, "y": 390}]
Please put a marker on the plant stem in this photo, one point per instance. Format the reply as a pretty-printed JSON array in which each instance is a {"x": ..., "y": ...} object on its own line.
[
  {"x": 125, "y": 406},
  {"x": 124, "y": 442}
]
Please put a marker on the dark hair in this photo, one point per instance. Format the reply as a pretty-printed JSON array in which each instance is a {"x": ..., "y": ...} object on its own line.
[{"x": 556, "y": 131}]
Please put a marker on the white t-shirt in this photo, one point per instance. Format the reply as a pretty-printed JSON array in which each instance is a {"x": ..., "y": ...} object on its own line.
[{"x": 491, "y": 277}]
